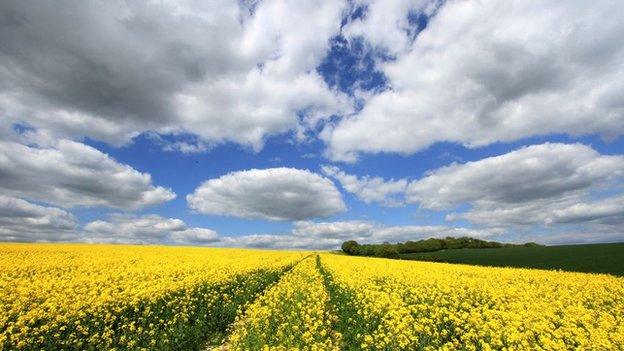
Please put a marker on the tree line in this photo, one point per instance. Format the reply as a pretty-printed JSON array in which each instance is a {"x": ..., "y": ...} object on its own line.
[{"x": 388, "y": 250}]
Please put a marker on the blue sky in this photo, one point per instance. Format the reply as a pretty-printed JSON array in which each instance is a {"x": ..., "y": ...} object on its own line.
[{"x": 301, "y": 124}]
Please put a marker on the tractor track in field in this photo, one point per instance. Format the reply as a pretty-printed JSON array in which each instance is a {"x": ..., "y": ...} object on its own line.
[
  {"x": 329, "y": 306},
  {"x": 224, "y": 334}
]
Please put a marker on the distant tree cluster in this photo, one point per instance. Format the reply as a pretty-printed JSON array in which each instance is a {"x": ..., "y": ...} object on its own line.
[{"x": 388, "y": 250}]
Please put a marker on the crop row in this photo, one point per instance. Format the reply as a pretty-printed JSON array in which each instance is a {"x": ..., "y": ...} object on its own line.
[
  {"x": 401, "y": 305},
  {"x": 82, "y": 297},
  {"x": 355, "y": 303},
  {"x": 292, "y": 315}
]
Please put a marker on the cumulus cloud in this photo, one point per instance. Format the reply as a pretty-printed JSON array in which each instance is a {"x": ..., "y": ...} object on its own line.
[
  {"x": 550, "y": 185},
  {"x": 70, "y": 174},
  {"x": 330, "y": 235},
  {"x": 370, "y": 189},
  {"x": 274, "y": 194},
  {"x": 21, "y": 220},
  {"x": 343, "y": 230},
  {"x": 279, "y": 241},
  {"x": 371, "y": 232},
  {"x": 605, "y": 211},
  {"x": 558, "y": 214},
  {"x": 520, "y": 69},
  {"x": 147, "y": 229},
  {"x": 195, "y": 236},
  {"x": 385, "y": 24},
  {"x": 226, "y": 70},
  {"x": 528, "y": 174},
  {"x": 416, "y": 232},
  {"x": 24, "y": 221},
  {"x": 186, "y": 144}
]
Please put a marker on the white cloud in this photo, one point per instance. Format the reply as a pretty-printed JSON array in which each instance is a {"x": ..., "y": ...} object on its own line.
[
  {"x": 185, "y": 144},
  {"x": 605, "y": 211},
  {"x": 370, "y": 189},
  {"x": 566, "y": 214},
  {"x": 279, "y": 241},
  {"x": 196, "y": 236},
  {"x": 24, "y": 221},
  {"x": 220, "y": 70},
  {"x": 70, "y": 174},
  {"x": 528, "y": 174},
  {"x": 548, "y": 185},
  {"x": 385, "y": 24},
  {"x": 416, "y": 232},
  {"x": 515, "y": 214},
  {"x": 330, "y": 235},
  {"x": 273, "y": 194},
  {"x": 483, "y": 72},
  {"x": 343, "y": 230},
  {"x": 147, "y": 229}
]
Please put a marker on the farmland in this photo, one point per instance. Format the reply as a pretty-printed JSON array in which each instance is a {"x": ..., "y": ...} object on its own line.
[
  {"x": 93, "y": 297},
  {"x": 590, "y": 258},
  {"x": 84, "y": 297}
]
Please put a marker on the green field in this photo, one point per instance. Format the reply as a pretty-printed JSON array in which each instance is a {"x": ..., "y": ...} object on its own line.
[{"x": 592, "y": 258}]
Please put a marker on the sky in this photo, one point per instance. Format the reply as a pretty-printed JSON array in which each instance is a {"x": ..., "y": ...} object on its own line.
[{"x": 302, "y": 124}]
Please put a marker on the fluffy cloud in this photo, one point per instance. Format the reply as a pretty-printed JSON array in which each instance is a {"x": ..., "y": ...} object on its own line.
[
  {"x": 415, "y": 232},
  {"x": 520, "y": 69},
  {"x": 273, "y": 194},
  {"x": 330, "y": 235},
  {"x": 568, "y": 211},
  {"x": 147, "y": 229},
  {"x": 553, "y": 186},
  {"x": 70, "y": 174},
  {"x": 279, "y": 241},
  {"x": 228, "y": 71},
  {"x": 343, "y": 230},
  {"x": 24, "y": 221},
  {"x": 371, "y": 232},
  {"x": 559, "y": 214},
  {"x": 529, "y": 174},
  {"x": 605, "y": 211},
  {"x": 385, "y": 24},
  {"x": 370, "y": 189},
  {"x": 195, "y": 236},
  {"x": 235, "y": 71},
  {"x": 550, "y": 189}
]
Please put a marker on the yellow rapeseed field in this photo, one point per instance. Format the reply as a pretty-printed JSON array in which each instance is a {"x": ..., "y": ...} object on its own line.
[
  {"x": 293, "y": 315},
  {"x": 406, "y": 305},
  {"x": 108, "y": 297}
]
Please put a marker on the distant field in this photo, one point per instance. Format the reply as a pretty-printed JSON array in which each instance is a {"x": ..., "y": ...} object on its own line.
[{"x": 593, "y": 258}]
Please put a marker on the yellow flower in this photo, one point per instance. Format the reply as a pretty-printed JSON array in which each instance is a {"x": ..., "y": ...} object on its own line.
[{"x": 116, "y": 296}]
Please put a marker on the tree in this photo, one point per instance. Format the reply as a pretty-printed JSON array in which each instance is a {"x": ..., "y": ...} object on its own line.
[
  {"x": 350, "y": 247},
  {"x": 386, "y": 251}
]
